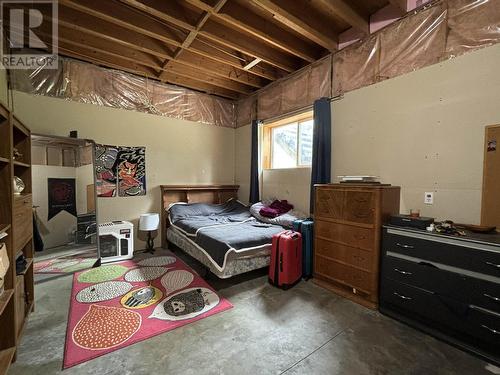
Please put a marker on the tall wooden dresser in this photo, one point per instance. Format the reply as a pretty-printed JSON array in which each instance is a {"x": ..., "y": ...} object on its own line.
[{"x": 348, "y": 219}]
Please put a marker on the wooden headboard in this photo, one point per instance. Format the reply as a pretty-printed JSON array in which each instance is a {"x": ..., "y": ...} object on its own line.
[{"x": 192, "y": 194}]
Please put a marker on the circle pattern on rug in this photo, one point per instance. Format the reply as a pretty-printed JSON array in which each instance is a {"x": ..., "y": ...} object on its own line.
[
  {"x": 157, "y": 261},
  {"x": 105, "y": 327},
  {"x": 141, "y": 298},
  {"x": 144, "y": 274},
  {"x": 103, "y": 291},
  {"x": 176, "y": 280},
  {"x": 186, "y": 304},
  {"x": 101, "y": 274}
]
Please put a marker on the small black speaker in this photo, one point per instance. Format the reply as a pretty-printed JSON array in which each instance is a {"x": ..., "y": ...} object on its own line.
[{"x": 73, "y": 134}]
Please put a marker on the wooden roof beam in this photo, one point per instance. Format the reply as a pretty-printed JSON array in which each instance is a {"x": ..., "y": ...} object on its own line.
[
  {"x": 294, "y": 22},
  {"x": 126, "y": 18},
  {"x": 168, "y": 11},
  {"x": 189, "y": 70},
  {"x": 93, "y": 21},
  {"x": 242, "y": 42},
  {"x": 192, "y": 35},
  {"x": 345, "y": 11},
  {"x": 243, "y": 19}
]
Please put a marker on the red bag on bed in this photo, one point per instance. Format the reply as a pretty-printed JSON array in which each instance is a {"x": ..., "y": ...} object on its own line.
[{"x": 285, "y": 268}]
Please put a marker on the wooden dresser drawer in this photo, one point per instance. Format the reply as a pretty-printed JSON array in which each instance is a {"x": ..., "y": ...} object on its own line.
[
  {"x": 359, "y": 207},
  {"x": 345, "y": 254},
  {"x": 362, "y": 238},
  {"x": 22, "y": 220},
  {"x": 345, "y": 274},
  {"x": 329, "y": 203}
]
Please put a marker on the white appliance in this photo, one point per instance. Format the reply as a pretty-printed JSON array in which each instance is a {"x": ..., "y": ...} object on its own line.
[{"x": 116, "y": 241}]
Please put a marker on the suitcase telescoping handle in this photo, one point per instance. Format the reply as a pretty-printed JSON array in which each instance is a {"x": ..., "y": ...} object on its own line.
[{"x": 278, "y": 262}]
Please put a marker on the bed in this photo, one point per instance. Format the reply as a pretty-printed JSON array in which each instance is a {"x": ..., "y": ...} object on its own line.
[{"x": 212, "y": 226}]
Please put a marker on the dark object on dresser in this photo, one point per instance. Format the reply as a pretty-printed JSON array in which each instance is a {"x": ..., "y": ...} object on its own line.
[
  {"x": 348, "y": 220},
  {"x": 409, "y": 221},
  {"x": 444, "y": 285}
]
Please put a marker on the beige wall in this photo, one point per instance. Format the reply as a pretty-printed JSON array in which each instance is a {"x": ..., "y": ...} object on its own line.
[
  {"x": 423, "y": 131},
  {"x": 177, "y": 151},
  {"x": 84, "y": 177},
  {"x": 243, "y": 147}
]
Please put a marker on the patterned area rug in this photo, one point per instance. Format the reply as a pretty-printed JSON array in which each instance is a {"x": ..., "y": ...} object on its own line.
[
  {"x": 63, "y": 265},
  {"x": 117, "y": 305}
]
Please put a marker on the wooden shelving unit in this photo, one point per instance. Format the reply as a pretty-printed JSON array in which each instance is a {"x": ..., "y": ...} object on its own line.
[{"x": 17, "y": 301}]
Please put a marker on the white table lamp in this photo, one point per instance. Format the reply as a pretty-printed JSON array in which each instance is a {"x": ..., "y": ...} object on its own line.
[{"x": 149, "y": 222}]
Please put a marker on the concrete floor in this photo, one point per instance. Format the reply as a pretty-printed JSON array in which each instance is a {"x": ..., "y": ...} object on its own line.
[{"x": 305, "y": 330}]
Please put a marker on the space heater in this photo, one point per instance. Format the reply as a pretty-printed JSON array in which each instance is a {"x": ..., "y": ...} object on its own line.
[{"x": 116, "y": 241}]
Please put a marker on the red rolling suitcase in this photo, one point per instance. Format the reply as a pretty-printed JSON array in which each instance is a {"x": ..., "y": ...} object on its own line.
[{"x": 285, "y": 268}]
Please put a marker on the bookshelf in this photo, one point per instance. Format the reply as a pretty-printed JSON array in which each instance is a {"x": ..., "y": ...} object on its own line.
[{"x": 17, "y": 300}]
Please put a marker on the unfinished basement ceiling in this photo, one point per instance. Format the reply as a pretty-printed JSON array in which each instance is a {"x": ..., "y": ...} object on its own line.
[{"x": 228, "y": 48}]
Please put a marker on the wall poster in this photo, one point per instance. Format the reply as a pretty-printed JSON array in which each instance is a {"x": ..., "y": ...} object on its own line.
[
  {"x": 120, "y": 171},
  {"x": 62, "y": 196}
]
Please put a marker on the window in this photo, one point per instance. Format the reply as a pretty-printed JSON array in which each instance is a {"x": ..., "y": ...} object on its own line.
[{"x": 288, "y": 143}]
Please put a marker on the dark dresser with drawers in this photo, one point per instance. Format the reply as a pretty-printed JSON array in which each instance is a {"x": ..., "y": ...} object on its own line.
[{"x": 447, "y": 286}]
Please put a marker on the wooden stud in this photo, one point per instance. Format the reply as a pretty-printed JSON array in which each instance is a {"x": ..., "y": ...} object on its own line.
[
  {"x": 298, "y": 24},
  {"x": 240, "y": 18},
  {"x": 347, "y": 13}
]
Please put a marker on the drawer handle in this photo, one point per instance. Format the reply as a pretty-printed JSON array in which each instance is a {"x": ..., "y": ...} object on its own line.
[
  {"x": 406, "y": 246},
  {"x": 401, "y": 296},
  {"x": 402, "y": 272},
  {"x": 496, "y": 299},
  {"x": 491, "y": 329},
  {"x": 493, "y": 264}
]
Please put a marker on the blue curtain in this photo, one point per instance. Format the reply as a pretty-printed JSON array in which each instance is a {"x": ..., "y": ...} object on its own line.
[
  {"x": 254, "y": 166},
  {"x": 322, "y": 145}
]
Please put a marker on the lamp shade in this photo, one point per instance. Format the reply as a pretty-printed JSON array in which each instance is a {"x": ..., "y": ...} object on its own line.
[{"x": 149, "y": 222}]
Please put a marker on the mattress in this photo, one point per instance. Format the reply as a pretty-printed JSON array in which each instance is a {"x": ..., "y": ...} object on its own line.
[
  {"x": 220, "y": 232},
  {"x": 235, "y": 263}
]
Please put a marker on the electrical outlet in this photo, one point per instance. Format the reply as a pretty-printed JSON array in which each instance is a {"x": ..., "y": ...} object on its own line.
[{"x": 429, "y": 197}]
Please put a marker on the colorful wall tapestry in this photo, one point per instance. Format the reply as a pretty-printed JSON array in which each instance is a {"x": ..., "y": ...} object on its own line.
[
  {"x": 120, "y": 171},
  {"x": 62, "y": 196}
]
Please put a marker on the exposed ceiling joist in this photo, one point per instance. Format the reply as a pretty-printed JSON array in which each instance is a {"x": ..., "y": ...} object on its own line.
[
  {"x": 344, "y": 10},
  {"x": 146, "y": 26},
  {"x": 296, "y": 23},
  {"x": 244, "y": 20},
  {"x": 240, "y": 41},
  {"x": 123, "y": 17},
  {"x": 214, "y": 64},
  {"x": 225, "y": 47},
  {"x": 168, "y": 11},
  {"x": 192, "y": 35}
]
